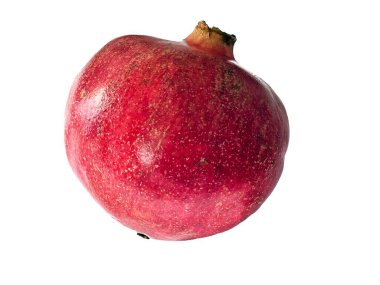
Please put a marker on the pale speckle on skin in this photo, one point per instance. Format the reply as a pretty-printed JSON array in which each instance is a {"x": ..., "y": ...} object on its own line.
[{"x": 145, "y": 154}]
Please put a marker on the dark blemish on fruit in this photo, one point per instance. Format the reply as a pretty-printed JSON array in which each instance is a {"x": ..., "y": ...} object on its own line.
[
  {"x": 146, "y": 81},
  {"x": 236, "y": 86},
  {"x": 228, "y": 71},
  {"x": 143, "y": 236},
  {"x": 130, "y": 68}
]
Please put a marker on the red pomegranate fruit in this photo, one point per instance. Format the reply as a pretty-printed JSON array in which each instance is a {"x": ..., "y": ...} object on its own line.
[{"x": 174, "y": 139}]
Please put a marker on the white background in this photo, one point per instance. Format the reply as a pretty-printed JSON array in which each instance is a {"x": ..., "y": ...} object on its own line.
[{"x": 320, "y": 225}]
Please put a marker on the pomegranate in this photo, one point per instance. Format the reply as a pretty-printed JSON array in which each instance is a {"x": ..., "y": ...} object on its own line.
[{"x": 174, "y": 139}]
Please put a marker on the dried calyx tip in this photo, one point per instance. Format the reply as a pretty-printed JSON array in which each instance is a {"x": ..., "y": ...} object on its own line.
[
  {"x": 228, "y": 39},
  {"x": 212, "y": 40}
]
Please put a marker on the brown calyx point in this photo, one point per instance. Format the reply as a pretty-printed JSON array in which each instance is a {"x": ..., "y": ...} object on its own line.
[{"x": 212, "y": 40}]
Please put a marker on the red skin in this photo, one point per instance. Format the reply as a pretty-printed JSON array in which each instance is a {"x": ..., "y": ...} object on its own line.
[{"x": 172, "y": 141}]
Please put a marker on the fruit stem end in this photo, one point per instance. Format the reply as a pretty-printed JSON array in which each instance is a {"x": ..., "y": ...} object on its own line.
[{"x": 212, "y": 40}]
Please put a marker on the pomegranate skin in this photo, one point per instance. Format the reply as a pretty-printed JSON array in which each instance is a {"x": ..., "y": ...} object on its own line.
[{"x": 173, "y": 141}]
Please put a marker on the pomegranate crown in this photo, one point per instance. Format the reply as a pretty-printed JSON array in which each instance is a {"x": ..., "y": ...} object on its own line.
[{"x": 212, "y": 40}]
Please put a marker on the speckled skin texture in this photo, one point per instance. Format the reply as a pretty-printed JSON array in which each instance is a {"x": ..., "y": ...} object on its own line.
[{"x": 172, "y": 141}]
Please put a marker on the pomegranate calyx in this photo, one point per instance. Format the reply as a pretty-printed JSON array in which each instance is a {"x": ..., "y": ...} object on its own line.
[{"x": 212, "y": 40}]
